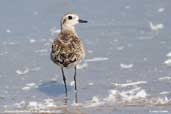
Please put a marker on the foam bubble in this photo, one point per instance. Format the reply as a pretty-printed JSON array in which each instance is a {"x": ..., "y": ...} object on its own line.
[
  {"x": 167, "y": 62},
  {"x": 156, "y": 27},
  {"x": 23, "y": 71},
  {"x": 161, "y": 10},
  {"x": 95, "y": 59},
  {"x": 72, "y": 83},
  {"x": 32, "y": 41},
  {"x": 126, "y": 66},
  {"x": 129, "y": 84},
  {"x": 169, "y": 54}
]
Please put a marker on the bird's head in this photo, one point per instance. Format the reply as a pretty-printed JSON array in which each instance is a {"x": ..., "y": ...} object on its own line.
[{"x": 69, "y": 20}]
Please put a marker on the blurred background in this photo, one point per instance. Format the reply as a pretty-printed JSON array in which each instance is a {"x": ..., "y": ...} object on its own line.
[{"x": 128, "y": 55}]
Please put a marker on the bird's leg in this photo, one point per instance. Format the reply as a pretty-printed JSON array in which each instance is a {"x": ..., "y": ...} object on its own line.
[
  {"x": 75, "y": 82},
  {"x": 64, "y": 79}
]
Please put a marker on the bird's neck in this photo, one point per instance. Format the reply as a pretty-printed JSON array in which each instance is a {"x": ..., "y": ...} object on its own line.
[
  {"x": 68, "y": 28},
  {"x": 67, "y": 33}
]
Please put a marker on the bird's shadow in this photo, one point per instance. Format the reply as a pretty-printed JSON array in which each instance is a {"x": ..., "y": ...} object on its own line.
[{"x": 53, "y": 88}]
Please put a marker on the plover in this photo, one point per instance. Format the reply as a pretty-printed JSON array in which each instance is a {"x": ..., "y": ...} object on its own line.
[{"x": 67, "y": 49}]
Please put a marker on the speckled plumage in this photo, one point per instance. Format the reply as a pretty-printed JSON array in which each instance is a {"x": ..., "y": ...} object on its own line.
[{"x": 67, "y": 49}]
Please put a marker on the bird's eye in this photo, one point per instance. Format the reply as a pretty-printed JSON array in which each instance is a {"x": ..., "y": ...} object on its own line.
[{"x": 69, "y": 17}]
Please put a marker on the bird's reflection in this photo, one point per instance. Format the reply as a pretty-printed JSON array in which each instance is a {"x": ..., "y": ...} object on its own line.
[
  {"x": 75, "y": 100},
  {"x": 76, "y": 97}
]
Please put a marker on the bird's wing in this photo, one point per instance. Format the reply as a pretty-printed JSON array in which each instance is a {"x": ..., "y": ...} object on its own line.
[
  {"x": 56, "y": 50},
  {"x": 66, "y": 52},
  {"x": 78, "y": 48}
]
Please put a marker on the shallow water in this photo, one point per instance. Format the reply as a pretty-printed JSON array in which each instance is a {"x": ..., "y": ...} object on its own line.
[{"x": 127, "y": 64}]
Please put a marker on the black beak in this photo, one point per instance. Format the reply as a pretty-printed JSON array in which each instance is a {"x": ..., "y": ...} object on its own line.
[{"x": 82, "y": 21}]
